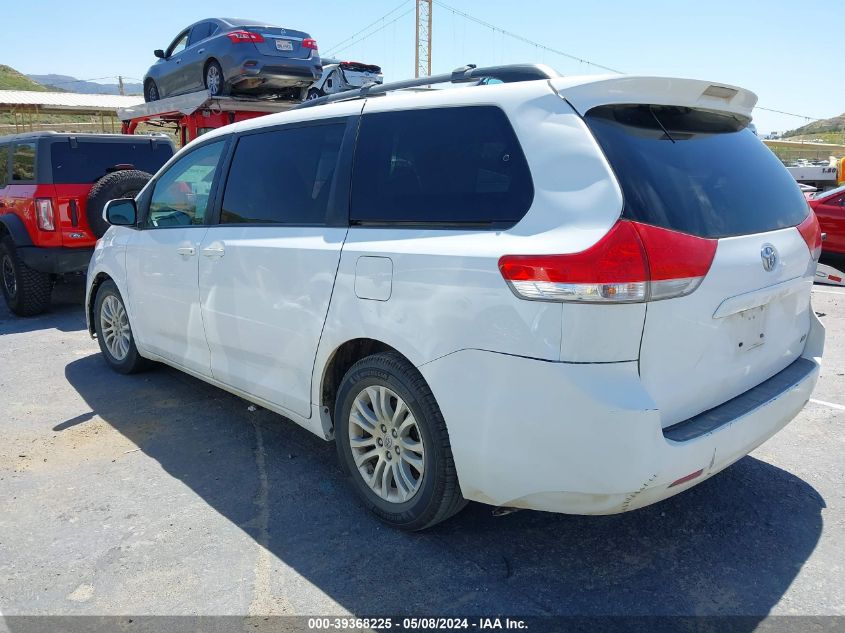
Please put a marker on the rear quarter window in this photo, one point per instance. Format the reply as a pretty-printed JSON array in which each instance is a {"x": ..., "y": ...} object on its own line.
[
  {"x": 23, "y": 162},
  {"x": 440, "y": 167},
  {"x": 695, "y": 171},
  {"x": 87, "y": 161}
]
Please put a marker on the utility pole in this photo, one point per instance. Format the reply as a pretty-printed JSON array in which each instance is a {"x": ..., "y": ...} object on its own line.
[
  {"x": 120, "y": 85},
  {"x": 423, "y": 56}
]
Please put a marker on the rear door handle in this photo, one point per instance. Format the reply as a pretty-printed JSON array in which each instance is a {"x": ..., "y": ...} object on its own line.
[
  {"x": 186, "y": 250},
  {"x": 215, "y": 250}
]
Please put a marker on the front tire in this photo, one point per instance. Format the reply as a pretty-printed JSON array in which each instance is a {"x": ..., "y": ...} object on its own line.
[
  {"x": 114, "y": 333},
  {"x": 26, "y": 290},
  {"x": 151, "y": 91},
  {"x": 314, "y": 93},
  {"x": 392, "y": 442}
]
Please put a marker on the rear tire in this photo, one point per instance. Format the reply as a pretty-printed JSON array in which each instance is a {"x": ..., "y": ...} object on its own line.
[
  {"x": 213, "y": 78},
  {"x": 118, "y": 184},
  {"x": 405, "y": 454},
  {"x": 26, "y": 290},
  {"x": 114, "y": 333},
  {"x": 314, "y": 93}
]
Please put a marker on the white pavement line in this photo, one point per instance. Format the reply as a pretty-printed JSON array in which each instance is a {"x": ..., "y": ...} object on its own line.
[
  {"x": 829, "y": 292},
  {"x": 832, "y": 405}
]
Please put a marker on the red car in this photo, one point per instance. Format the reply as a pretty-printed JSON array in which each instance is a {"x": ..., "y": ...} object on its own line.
[
  {"x": 53, "y": 188},
  {"x": 830, "y": 210}
]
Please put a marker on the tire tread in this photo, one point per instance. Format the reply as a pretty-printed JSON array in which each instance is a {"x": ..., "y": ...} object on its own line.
[{"x": 451, "y": 501}]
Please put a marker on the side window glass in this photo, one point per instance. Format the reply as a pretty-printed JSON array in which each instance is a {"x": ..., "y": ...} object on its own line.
[
  {"x": 23, "y": 162},
  {"x": 178, "y": 45},
  {"x": 283, "y": 176},
  {"x": 4, "y": 165},
  {"x": 199, "y": 33},
  {"x": 181, "y": 194},
  {"x": 441, "y": 167}
]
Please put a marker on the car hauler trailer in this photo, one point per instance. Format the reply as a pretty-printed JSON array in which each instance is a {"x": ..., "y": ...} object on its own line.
[
  {"x": 822, "y": 177},
  {"x": 198, "y": 112}
]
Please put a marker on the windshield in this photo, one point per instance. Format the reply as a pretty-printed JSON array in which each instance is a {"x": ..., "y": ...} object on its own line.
[{"x": 695, "y": 171}]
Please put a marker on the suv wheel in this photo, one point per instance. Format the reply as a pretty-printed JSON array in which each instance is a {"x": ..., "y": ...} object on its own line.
[
  {"x": 125, "y": 183},
  {"x": 114, "y": 334},
  {"x": 314, "y": 93},
  {"x": 27, "y": 291},
  {"x": 392, "y": 442}
]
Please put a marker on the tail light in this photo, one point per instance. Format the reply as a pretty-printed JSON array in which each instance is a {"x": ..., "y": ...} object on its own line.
[
  {"x": 633, "y": 263},
  {"x": 242, "y": 36},
  {"x": 812, "y": 234},
  {"x": 309, "y": 43},
  {"x": 44, "y": 214}
]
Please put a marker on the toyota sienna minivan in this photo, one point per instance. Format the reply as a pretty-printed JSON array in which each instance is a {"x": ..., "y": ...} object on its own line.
[{"x": 571, "y": 294}]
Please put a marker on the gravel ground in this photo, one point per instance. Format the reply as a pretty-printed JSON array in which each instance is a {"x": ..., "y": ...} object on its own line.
[{"x": 159, "y": 494}]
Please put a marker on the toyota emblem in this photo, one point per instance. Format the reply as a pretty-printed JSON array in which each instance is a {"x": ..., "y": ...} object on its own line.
[{"x": 769, "y": 255}]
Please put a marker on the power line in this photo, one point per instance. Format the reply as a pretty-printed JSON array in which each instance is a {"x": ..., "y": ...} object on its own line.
[
  {"x": 337, "y": 50},
  {"x": 523, "y": 39},
  {"x": 576, "y": 58},
  {"x": 800, "y": 116},
  {"x": 354, "y": 35},
  {"x": 73, "y": 81}
]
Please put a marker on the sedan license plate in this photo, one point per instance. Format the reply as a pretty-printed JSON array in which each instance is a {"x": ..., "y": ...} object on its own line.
[{"x": 284, "y": 45}]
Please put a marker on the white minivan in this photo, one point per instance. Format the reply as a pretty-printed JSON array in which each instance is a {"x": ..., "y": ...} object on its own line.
[{"x": 572, "y": 294}]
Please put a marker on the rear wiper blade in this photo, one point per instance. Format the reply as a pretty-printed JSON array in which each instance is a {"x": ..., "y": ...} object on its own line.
[{"x": 665, "y": 131}]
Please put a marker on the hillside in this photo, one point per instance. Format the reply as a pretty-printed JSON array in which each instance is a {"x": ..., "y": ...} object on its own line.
[
  {"x": 72, "y": 84},
  {"x": 834, "y": 124},
  {"x": 11, "y": 79}
]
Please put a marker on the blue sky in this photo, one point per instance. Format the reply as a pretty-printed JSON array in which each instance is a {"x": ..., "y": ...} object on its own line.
[{"x": 778, "y": 49}]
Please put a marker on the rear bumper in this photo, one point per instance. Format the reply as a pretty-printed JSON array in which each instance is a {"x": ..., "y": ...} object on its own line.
[
  {"x": 56, "y": 260},
  {"x": 284, "y": 74},
  {"x": 587, "y": 438}
]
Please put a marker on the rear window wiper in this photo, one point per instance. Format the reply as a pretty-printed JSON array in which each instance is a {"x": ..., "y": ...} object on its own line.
[{"x": 665, "y": 131}]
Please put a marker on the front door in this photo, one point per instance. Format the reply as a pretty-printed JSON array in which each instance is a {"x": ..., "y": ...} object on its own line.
[
  {"x": 161, "y": 261},
  {"x": 267, "y": 270}
]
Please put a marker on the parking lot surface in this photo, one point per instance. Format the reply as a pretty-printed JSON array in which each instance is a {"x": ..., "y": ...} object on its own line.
[{"x": 159, "y": 494}]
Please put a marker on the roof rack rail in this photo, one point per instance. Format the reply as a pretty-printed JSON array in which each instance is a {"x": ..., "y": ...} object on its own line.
[{"x": 509, "y": 73}]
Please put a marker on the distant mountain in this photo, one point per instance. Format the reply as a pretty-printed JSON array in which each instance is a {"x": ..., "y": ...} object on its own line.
[
  {"x": 11, "y": 79},
  {"x": 833, "y": 124},
  {"x": 72, "y": 84}
]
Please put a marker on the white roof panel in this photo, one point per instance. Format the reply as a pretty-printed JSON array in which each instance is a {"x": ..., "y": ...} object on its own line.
[{"x": 66, "y": 100}]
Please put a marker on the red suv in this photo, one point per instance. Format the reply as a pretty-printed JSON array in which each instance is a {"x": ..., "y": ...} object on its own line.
[{"x": 53, "y": 188}]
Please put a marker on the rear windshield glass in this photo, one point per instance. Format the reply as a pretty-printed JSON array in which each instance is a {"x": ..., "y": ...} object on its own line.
[
  {"x": 697, "y": 172},
  {"x": 91, "y": 160}
]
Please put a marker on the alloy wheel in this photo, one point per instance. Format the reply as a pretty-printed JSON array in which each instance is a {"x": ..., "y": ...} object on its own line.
[
  {"x": 9, "y": 279},
  {"x": 386, "y": 444},
  {"x": 115, "y": 327},
  {"x": 212, "y": 79}
]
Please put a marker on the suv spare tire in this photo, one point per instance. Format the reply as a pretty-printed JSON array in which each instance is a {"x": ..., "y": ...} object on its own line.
[{"x": 125, "y": 183}]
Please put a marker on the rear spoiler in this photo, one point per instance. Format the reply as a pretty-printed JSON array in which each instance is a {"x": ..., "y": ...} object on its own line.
[{"x": 586, "y": 93}]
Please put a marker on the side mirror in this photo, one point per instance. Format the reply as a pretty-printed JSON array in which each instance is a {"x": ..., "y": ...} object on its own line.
[
  {"x": 159, "y": 53},
  {"x": 121, "y": 212}
]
